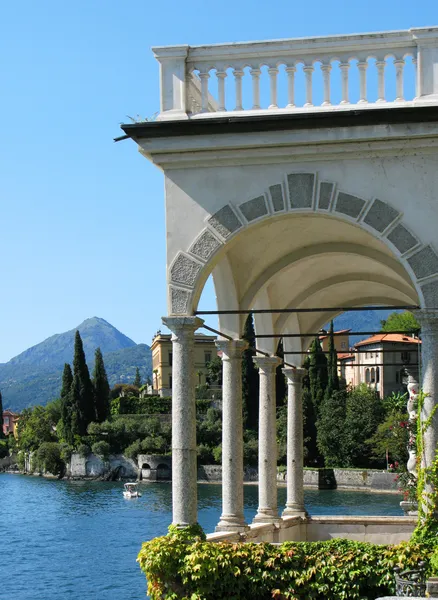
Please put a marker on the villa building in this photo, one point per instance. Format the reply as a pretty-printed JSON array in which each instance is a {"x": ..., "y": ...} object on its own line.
[
  {"x": 204, "y": 351},
  {"x": 341, "y": 339},
  {"x": 382, "y": 362},
  {"x": 10, "y": 420}
]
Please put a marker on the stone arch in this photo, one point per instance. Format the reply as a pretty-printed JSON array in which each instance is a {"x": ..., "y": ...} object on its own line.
[{"x": 301, "y": 193}]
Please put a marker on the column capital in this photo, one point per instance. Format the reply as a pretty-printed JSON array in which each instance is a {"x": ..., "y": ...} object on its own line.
[
  {"x": 428, "y": 319},
  {"x": 294, "y": 375},
  {"x": 267, "y": 364},
  {"x": 182, "y": 325},
  {"x": 231, "y": 348}
]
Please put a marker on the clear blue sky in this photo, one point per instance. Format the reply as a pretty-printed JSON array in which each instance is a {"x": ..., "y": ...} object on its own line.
[{"x": 82, "y": 218}]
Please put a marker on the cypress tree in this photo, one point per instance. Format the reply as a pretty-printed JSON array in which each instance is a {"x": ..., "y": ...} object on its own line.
[
  {"x": 82, "y": 397},
  {"x": 332, "y": 365},
  {"x": 101, "y": 388},
  {"x": 312, "y": 456},
  {"x": 66, "y": 407},
  {"x": 137, "y": 380},
  {"x": 318, "y": 374},
  {"x": 250, "y": 378},
  {"x": 280, "y": 379},
  {"x": 2, "y": 435}
]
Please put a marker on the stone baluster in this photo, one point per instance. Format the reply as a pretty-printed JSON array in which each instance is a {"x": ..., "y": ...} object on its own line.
[
  {"x": 428, "y": 319},
  {"x": 399, "y": 66},
  {"x": 232, "y": 518},
  {"x": 308, "y": 71},
  {"x": 413, "y": 391},
  {"x": 295, "y": 482},
  {"x": 344, "y": 75},
  {"x": 380, "y": 65},
  {"x": 184, "y": 471},
  {"x": 326, "y": 78},
  {"x": 238, "y": 74},
  {"x": 363, "y": 66},
  {"x": 290, "y": 86},
  {"x": 255, "y": 74},
  {"x": 268, "y": 509},
  {"x": 221, "y": 89},
  {"x": 273, "y": 73},
  {"x": 204, "y": 77}
]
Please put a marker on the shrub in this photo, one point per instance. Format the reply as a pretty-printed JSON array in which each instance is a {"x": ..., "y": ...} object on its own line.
[
  {"x": 84, "y": 450},
  {"x": 49, "y": 458},
  {"x": 182, "y": 565},
  {"x": 101, "y": 449}
]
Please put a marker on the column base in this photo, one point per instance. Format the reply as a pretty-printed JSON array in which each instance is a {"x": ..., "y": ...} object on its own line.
[
  {"x": 229, "y": 523},
  {"x": 295, "y": 510},
  {"x": 266, "y": 516}
]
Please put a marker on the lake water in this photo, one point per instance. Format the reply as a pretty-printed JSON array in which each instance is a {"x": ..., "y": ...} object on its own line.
[{"x": 78, "y": 540}]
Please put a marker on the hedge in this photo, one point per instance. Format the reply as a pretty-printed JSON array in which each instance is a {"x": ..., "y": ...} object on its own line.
[{"x": 183, "y": 566}]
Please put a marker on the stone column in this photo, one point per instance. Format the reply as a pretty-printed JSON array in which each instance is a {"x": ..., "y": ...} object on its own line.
[
  {"x": 232, "y": 518},
  {"x": 184, "y": 471},
  {"x": 295, "y": 485},
  {"x": 268, "y": 507},
  {"x": 428, "y": 319},
  {"x": 413, "y": 391}
]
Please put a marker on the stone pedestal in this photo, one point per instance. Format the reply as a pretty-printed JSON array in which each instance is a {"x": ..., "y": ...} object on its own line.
[
  {"x": 267, "y": 510},
  {"x": 232, "y": 518},
  {"x": 295, "y": 487},
  {"x": 184, "y": 473}
]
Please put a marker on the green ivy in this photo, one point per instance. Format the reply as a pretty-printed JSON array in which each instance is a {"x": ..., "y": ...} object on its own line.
[{"x": 183, "y": 566}]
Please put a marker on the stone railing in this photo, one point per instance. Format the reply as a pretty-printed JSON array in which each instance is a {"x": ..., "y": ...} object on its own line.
[{"x": 325, "y": 73}]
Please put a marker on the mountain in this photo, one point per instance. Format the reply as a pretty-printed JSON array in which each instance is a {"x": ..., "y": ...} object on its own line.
[
  {"x": 361, "y": 320},
  {"x": 34, "y": 376}
]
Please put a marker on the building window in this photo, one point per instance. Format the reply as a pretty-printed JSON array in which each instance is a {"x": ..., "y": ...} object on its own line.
[
  {"x": 6, "y": 420},
  {"x": 343, "y": 345},
  {"x": 397, "y": 377},
  {"x": 170, "y": 359},
  {"x": 373, "y": 375},
  {"x": 378, "y": 375},
  {"x": 367, "y": 376},
  {"x": 170, "y": 381},
  {"x": 366, "y": 354},
  {"x": 406, "y": 357},
  {"x": 207, "y": 358}
]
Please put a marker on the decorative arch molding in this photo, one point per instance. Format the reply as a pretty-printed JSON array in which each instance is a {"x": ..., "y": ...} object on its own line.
[{"x": 301, "y": 193}]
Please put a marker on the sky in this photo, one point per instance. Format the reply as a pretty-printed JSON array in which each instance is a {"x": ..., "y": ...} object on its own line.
[{"x": 82, "y": 218}]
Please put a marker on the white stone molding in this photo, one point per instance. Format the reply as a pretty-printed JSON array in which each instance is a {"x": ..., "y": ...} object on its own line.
[
  {"x": 295, "y": 464},
  {"x": 267, "y": 511},
  {"x": 232, "y": 518},
  {"x": 184, "y": 468}
]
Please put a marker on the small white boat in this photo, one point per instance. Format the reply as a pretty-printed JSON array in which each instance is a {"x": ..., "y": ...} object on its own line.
[{"x": 131, "y": 490}]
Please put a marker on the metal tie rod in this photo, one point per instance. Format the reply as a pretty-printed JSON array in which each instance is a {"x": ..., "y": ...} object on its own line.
[
  {"x": 353, "y": 352},
  {"x": 327, "y": 334},
  {"x": 304, "y": 310}
]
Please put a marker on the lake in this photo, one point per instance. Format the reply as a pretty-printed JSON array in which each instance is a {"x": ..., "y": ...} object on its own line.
[{"x": 78, "y": 540}]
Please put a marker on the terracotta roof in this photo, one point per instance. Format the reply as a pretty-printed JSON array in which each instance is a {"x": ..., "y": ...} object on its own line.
[
  {"x": 388, "y": 337},
  {"x": 345, "y": 356},
  {"x": 340, "y": 332}
]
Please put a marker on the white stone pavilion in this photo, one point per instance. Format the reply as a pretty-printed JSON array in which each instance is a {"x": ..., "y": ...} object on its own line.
[{"x": 293, "y": 192}]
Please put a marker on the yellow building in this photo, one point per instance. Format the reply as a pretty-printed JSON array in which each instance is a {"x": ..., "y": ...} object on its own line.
[
  {"x": 205, "y": 351},
  {"x": 341, "y": 339}
]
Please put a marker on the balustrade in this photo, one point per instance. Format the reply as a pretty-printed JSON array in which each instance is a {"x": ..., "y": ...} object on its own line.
[{"x": 327, "y": 73}]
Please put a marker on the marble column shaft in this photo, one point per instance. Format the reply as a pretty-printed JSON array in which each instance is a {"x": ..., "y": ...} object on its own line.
[
  {"x": 268, "y": 506},
  {"x": 184, "y": 467},
  {"x": 429, "y": 358},
  {"x": 295, "y": 480},
  {"x": 232, "y": 518}
]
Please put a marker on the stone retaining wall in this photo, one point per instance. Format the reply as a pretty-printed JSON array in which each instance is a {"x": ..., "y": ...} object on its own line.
[{"x": 94, "y": 467}]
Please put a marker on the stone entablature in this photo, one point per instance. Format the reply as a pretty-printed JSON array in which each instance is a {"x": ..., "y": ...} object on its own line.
[{"x": 194, "y": 79}]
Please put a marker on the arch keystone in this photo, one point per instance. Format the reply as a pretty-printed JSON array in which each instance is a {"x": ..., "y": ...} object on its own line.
[{"x": 301, "y": 190}]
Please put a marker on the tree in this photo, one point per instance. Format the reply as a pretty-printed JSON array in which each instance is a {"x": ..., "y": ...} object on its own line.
[
  {"x": 49, "y": 458},
  {"x": 364, "y": 412},
  {"x": 82, "y": 393},
  {"x": 102, "y": 388},
  {"x": 66, "y": 407},
  {"x": 331, "y": 430},
  {"x": 318, "y": 374},
  {"x": 404, "y": 321},
  {"x": 250, "y": 377},
  {"x": 214, "y": 371},
  {"x": 332, "y": 366},
  {"x": 2, "y": 435},
  {"x": 280, "y": 379},
  {"x": 137, "y": 381}
]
